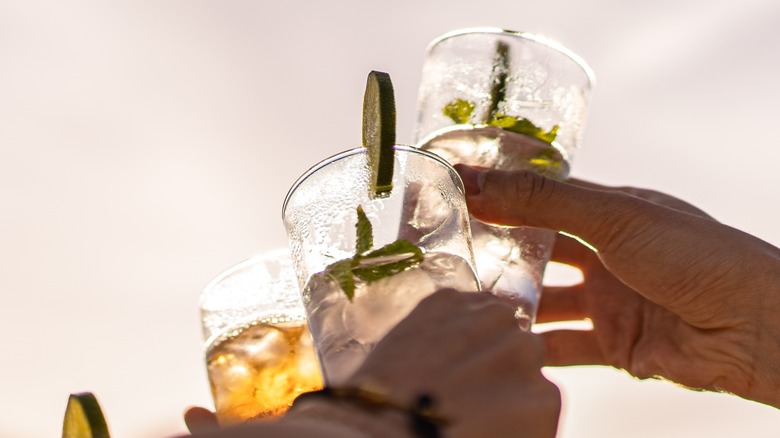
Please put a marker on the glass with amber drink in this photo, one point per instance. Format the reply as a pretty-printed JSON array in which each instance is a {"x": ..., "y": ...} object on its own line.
[{"x": 258, "y": 349}]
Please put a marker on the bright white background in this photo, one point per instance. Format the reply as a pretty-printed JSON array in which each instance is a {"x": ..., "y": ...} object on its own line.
[{"x": 147, "y": 145}]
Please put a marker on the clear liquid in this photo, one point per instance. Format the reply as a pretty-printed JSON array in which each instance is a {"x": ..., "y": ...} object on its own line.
[
  {"x": 258, "y": 370},
  {"x": 345, "y": 332},
  {"x": 510, "y": 261}
]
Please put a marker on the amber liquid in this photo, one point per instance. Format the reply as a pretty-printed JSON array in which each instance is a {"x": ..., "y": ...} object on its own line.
[{"x": 257, "y": 371}]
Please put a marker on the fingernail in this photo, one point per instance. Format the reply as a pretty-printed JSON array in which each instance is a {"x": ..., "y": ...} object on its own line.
[{"x": 473, "y": 178}]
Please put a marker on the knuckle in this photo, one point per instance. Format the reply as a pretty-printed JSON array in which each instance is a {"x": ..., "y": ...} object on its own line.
[
  {"x": 518, "y": 191},
  {"x": 622, "y": 228},
  {"x": 530, "y": 188}
]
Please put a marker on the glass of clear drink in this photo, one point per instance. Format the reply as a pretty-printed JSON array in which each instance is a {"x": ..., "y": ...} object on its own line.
[
  {"x": 259, "y": 352},
  {"x": 365, "y": 261},
  {"x": 512, "y": 101}
]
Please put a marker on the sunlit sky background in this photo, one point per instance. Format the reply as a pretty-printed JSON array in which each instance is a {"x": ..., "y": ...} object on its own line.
[{"x": 147, "y": 145}]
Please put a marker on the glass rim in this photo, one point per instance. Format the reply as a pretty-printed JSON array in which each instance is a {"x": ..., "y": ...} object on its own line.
[
  {"x": 259, "y": 258},
  {"x": 360, "y": 150},
  {"x": 546, "y": 41},
  {"x": 260, "y": 314}
]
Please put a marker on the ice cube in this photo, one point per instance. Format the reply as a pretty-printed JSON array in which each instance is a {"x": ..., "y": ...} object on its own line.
[
  {"x": 341, "y": 358},
  {"x": 324, "y": 302},
  {"x": 264, "y": 346},
  {"x": 379, "y": 306}
]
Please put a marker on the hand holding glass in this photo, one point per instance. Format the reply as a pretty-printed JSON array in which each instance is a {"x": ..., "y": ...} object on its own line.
[
  {"x": 511, "y": 101},
  {"x": 365, "y": 261}
]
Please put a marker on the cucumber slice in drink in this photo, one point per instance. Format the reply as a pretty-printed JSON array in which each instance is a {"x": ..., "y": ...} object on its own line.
[
  {"x": 379, "y": 131},
  {"x": 84, "y": 418}
]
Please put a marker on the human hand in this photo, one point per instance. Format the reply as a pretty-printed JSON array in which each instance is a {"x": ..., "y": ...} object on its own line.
[
  {"x": 463, "y": 349},
  {"x": 670, "y": 291},
  {"x": 466, "y": 351}
]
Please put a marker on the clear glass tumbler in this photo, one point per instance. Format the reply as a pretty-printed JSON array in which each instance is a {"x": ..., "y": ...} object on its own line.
[
  {"x": 364, "y": 262},
  {"x": 259, "y": 351},
  {"x": 511, "y": 101}
]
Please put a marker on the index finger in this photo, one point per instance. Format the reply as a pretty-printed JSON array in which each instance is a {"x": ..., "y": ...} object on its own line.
[{"x": 522, "y": 198}]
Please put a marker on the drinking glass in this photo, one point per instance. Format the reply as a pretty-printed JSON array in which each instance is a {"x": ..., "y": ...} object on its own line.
[
  {"x": 512, "y": 101},
  {"x": 259, "y": 351},
  {"x": 351, "y": 302}
]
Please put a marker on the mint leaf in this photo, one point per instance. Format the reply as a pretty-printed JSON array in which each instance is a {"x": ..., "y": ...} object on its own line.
[
  {"x": 546, "y": 159},
  {"x": 365, "y": 232},
  {"x": 525, "y": 127},
  {"x": 341, "y": 272},
  {"x": 399, "y": 247},
  {"x": 504, "y": 122},
  {"x": 388, "y": 260},
  {"x": 374, "y": 265},
  {"x": 459, "y": 111},
  {"x": 549, "y": 136}
]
